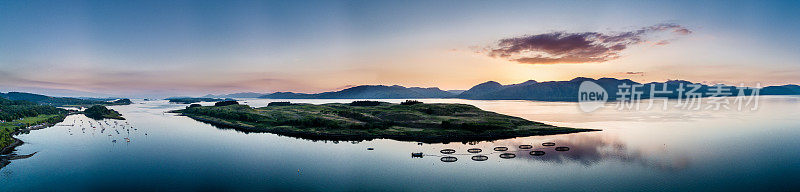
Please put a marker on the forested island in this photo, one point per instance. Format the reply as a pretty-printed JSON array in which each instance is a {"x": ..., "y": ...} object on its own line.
[
  {"x": 364, "y": 120},
  {"x": 101, "y": 112}
]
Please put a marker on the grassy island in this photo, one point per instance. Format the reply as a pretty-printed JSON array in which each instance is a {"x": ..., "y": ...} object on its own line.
[
  {"x": 101, "y": 112},
  {"x": 364, "y": 120}
]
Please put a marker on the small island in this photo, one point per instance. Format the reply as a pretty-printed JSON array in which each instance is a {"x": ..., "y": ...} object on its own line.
[
  {"x": 365, "y": 120},
  {"x": 190, "y": 100},
  {"x": 101, "y": 112}
]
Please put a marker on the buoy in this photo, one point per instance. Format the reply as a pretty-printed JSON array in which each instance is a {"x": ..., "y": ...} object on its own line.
[
  {"x": 480, "y": 158},
  {"x": 549, "y": 144},
  {"x": 449, "y": 159},
  {"x": 537, "y": 153},
  {"x": 525, "y": 146},
  {"x": 474, "y": 150},
  {"x": 562, "y": 148},
  {"x": 447, "y": 151},
  {"x": 501, "y": 148},
  {"x": 507, "y": 155}
]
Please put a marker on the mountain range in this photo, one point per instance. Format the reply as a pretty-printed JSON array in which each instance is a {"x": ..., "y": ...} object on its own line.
[
  {"x": 368, "y": 91},
  {"x": 528, "y": 90}
]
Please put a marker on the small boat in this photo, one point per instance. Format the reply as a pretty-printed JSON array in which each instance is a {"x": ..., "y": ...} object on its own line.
[
  {"x": 549, "y": 144},
  {"x": 370, "y": 148},
  {"x": 416, "y": 154},
  {"x": 501, "y": 148},
  {"x": 537, "y": 153},
  {"x": 562, "y": 148},
  {"x": 447, "y": 151},
  {"x": 507, "y": 155},
  {"x": 525, "y": 146},
  {"x": 474, "y": 150},
  {"x": 449, "y": 159},
  {"x": 480, "y": 158}
]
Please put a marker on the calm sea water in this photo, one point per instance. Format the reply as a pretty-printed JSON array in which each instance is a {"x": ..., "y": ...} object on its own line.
[{"x": 675, "y": 150}]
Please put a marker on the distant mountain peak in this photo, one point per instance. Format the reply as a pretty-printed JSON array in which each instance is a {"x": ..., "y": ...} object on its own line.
[
  {"x": 369, "y": 92},
  {"x": 581, "y": 79},
  {"x": 490, "y": 83}
]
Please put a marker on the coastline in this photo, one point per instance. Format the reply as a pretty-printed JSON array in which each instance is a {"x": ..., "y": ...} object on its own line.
[{"x": 17, "y": 142}]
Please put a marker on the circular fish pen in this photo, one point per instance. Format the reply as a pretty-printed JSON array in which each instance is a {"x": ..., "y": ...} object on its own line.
[
  {"x": 501, "y": 148},
  {"x": 537, "y": 153},
  {"x": 525, "y": 146},
  {"x": 562, "y": 148},
  {"x": 507, "y": 155},
  {"x": 474, "y": 150},
  {"x": 449, "y": 159},
  {"x": 549, "y": 144},
  {"x": 480, "y": 158},
  {"x": 447, "y": 151}
]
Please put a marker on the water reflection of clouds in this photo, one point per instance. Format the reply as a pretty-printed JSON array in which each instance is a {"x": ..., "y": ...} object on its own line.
[{"x": 590, "y": 149}]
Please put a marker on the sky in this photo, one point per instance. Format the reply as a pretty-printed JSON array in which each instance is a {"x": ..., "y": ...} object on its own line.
[{"x": 168, "y": 48}]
